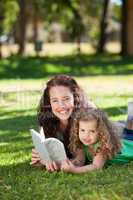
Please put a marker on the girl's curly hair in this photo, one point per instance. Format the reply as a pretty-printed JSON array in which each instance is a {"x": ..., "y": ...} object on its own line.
[{"x": 109, "y": 142}]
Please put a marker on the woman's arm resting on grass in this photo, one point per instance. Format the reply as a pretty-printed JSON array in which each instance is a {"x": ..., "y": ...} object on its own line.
[{"x": 98, "y": 163}]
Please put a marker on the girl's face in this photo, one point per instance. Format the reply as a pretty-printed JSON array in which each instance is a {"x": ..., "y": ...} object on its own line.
[
  {"x": 88, "y": 133},
  {"x": 62, "y": 102}
]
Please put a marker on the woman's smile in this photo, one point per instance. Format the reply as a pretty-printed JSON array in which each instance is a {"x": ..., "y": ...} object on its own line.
[{"x": 62, "y": 102}]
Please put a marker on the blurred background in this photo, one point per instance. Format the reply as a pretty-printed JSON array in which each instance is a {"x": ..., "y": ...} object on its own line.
[
  {"x": 58, "y": 27},
  {"x": 91, "y": 40}
]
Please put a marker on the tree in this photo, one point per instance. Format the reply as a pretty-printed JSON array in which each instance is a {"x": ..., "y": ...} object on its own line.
[
  {"x": 22, "y": 26},
  {"x": 77, "y": 25},
  {"x": 124, "y": 11},
  {"x": 103, "y": 26},
  {"x": 78, "y": 18},
  {"x": 8, "y": 14}
]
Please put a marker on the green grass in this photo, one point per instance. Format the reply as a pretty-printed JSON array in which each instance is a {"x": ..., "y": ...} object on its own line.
[
  {"x": 19, "y": 180},
  {"x": 40, "y": 67}
]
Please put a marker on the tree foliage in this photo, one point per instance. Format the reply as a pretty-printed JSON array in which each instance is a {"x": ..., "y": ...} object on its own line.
[
  {"x": 8, "y": 14},
  {"x": 77, "y": 17}
]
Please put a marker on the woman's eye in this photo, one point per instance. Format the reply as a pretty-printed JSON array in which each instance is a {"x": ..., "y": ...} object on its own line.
[
  {"x": 54, "y": 101},
  {"x": 67, "y": 99}
]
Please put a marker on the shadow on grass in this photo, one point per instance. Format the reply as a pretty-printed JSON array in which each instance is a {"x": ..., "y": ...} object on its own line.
[
  {"x": 114, "y": 111},
  {"x": 81, "y": 65},
  {"x": 16, "y": 129},
  {"x": 14, "y": 112},
  {"x": 20, "y": 123}
]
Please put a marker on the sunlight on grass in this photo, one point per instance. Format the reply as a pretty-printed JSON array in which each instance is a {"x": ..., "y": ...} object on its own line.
[{"x": 18, "y": 107}]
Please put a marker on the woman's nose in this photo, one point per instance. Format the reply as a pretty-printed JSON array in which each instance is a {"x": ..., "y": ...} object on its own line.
[{"x": 61, "y": 104}]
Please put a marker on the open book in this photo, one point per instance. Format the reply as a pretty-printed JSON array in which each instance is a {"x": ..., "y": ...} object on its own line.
[{"x": 49, "y": 149}]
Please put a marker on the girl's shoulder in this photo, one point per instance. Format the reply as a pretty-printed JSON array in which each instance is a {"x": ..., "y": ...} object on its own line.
[
  {"x": 90, "y": 151},
  {"x": 86, "y": 152},
  {"x": 94, "y": 147}
]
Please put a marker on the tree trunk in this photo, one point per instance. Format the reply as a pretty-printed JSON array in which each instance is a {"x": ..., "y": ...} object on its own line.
[
  {"x": 35, "y": 26},
  {"x": 0, "y": 50},
  {"x": 127, "y": 28},
  {"x": 22, "y": 27},
  {"x": 79, "y": 22},
  {"x": 1, "y": 29},
  {"x": 79, "y": 45},
  {"x": 124, "y": 28},
  {"x": 103, "y": 26}
]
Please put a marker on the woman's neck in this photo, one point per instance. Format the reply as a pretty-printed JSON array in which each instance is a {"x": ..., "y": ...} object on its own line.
[{"x": 63, "y": 124}]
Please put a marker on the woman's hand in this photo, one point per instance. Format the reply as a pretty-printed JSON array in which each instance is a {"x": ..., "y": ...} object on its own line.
[
  {"x": 52, "y": 166},
  {"x": 36, "y": 161},
  {"x": 67, "y": 166}
]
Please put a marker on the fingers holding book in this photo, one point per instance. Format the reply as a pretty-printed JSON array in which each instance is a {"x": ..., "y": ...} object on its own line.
[
  {"x": 35, "y": 158},
  {"x": 36, "y": 161},
  {"x": 52, "y": 166}
]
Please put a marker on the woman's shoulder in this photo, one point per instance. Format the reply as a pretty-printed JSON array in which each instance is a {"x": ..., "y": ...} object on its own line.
[
  {"x": 88, "y": 103},
  {"x": 91, "y": 104}
]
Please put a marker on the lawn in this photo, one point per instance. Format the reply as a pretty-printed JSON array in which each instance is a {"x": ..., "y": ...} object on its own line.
[{"x": 108, "y": 80}]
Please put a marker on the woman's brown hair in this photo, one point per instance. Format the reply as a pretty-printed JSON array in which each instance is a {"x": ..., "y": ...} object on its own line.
[
  {"x": 46, "y": 118},
  {"x": 109, "y": 142}
]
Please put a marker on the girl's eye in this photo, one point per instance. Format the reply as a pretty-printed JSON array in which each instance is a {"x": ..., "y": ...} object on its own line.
[
  {"x": 82, "y": 130},
  {"x": 92, "y": 131}
]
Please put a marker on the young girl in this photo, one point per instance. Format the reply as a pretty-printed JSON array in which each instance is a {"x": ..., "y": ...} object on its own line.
[
  {"x": 62, "y": 97},
  {"x": 98, "y": 138}
]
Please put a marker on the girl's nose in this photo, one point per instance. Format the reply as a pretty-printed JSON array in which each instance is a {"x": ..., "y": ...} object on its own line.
[{"x": 86, "y": 135}]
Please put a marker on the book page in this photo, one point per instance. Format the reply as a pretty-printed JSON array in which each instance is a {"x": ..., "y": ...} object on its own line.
[
  {"x": 55, "y": 149},
  {"x": 40, "y": 146}
]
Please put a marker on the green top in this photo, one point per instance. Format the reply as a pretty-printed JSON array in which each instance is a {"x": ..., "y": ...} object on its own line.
[{"x": 124, "y": 156}]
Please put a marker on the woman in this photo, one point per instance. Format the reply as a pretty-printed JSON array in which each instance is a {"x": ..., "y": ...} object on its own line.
[{"x": 61, "y": 98}]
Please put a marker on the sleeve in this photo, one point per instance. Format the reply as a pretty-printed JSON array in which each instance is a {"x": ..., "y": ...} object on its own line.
[
  {"x": 87, "y": 102},
  {"x": 119, "y": 127}
]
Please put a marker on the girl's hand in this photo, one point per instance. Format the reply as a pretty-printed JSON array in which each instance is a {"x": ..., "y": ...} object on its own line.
[{"x": 67, "y": 166}]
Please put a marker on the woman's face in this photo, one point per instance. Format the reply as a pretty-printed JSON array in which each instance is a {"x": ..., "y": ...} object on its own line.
[{"x": 62, "y": 102}]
